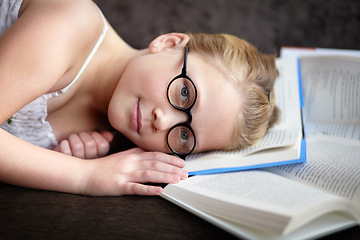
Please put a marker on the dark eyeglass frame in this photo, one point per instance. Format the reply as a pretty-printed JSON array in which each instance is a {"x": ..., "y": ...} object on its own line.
[{"x": 187, "y": 110}]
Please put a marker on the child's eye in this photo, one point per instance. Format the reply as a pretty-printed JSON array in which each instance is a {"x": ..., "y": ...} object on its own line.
[
  {"x": 184, "y": 91},
  {"x": 184, "y": 94},
  {"x": 183, "y": 135}
]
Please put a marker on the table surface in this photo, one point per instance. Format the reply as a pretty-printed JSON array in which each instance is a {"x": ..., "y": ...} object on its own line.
[{"x": 35, "y": 214}]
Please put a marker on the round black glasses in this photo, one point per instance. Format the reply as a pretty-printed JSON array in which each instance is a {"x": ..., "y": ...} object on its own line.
[{"x": 181, "y": 94}]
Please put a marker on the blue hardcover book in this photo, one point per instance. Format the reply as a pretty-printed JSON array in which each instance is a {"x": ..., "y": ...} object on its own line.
[{"x": 284, "y": 143}]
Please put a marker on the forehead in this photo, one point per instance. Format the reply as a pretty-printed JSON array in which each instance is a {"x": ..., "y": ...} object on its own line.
[{"x": 217, "y": 104}]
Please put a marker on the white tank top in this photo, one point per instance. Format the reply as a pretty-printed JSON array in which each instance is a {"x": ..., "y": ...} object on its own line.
[{"x": 29, "y": 123}]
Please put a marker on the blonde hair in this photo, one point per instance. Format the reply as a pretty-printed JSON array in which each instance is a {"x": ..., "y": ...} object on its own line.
[{"x": 253, "y": 73}]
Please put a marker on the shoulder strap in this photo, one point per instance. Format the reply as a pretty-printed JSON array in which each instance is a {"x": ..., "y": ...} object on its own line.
[{"x": 97, "y": 45}]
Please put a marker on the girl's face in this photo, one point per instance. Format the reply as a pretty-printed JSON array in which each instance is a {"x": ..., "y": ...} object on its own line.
[{"x": 140, "y": 110}]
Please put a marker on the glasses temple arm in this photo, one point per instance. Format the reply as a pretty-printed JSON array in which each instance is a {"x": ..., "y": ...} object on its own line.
[{"x": 185, "y": 60}]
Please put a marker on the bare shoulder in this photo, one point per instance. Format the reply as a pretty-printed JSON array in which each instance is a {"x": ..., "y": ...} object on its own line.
[
  {"x": 72, "y": 26},
  {"x": 61, "y": 8},
  {"x": 50, "y": 40},
  {"x": 73, "y": 17}
]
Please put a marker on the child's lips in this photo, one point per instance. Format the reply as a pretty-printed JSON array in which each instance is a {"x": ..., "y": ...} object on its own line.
[{"x": 136, "y": 117}]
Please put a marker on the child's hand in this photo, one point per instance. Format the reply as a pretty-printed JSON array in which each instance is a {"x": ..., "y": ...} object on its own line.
[
  {"x": 86, "y": 144},
  {"x": 123, "y": 173}
]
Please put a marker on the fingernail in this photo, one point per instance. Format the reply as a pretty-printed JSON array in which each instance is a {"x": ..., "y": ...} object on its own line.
[
  {"x": 158, "y": 191},
  {"x": 184, "y": 175},
  {"x": 176, "y": 179},
  {"x": 182, "y": 163}
]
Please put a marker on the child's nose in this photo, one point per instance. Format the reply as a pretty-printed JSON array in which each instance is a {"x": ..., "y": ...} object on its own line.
[{"x": 163, "y": 121}]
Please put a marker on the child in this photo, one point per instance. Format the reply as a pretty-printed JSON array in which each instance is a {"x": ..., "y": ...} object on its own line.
[{"x": 67, "y": 79}]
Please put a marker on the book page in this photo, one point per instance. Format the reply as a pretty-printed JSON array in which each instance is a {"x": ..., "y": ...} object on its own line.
[
  {"x": 333, "y": 165},
  {"x": 260, "y": 187},
  {"x": 256, "y": 198},
  {"x": 287, "y": 131},
  {"x": 214, "y": 163},
  {"x": 320, "y": 227},
  {"x": 331, "y": 89},
  {"x": 350, "y": 131}
]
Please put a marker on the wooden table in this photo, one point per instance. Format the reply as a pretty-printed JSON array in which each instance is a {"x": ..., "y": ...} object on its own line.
[{"x": 34, "y": 214}]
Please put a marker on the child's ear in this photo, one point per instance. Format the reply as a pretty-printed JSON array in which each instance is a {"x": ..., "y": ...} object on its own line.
[{"x": 168, "y": 41}]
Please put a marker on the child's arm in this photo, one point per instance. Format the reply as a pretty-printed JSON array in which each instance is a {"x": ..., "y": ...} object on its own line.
[
  {"x": 86, "y": 145},
  {"x": 26, "y": 165},
  {"x": 35, "y": 53}
]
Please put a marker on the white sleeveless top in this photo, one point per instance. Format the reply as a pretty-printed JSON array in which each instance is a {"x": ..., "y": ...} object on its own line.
[{"x": 29, "y": 123}]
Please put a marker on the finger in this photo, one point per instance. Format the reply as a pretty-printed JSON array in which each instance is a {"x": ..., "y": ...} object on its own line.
[
  {"x": 89, "y": 145},
  {"x": 158, "y": 166},
  {"x": 131, "y": 151},
  {"x": 150, "y": 176},
  {"x": 108, "y": 135},
  {"x": 166, "y": 158},
  {"x": 64, "y": 147},
  {"x": 140, "y": 189},
  {"x": 76, "y": 146},
  {"x": 102, "y": 144}
]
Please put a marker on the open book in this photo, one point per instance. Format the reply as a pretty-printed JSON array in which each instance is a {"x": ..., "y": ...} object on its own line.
[
  {"x": 295, "y": 201},
  {"x": 282, "y": 144},
  {"x": 277, "y": 201}
]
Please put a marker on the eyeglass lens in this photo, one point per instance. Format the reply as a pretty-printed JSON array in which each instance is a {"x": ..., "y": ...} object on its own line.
[
  {"x": 181, "y": 93},
  {"x": 181, "y": 140}
]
